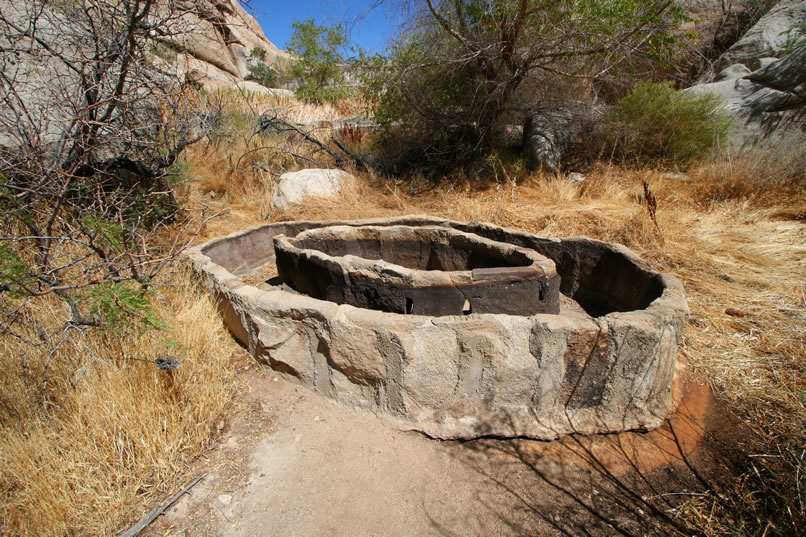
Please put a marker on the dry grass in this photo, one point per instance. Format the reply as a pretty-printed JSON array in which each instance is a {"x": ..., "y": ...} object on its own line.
[
  {"x": 238, "y": 161},
  {"x": 734, "y": 232},
  {"x": 117, "y": 433}
]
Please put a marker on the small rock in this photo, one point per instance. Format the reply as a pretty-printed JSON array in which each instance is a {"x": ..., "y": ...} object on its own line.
[{"x": 225, "y": 499}]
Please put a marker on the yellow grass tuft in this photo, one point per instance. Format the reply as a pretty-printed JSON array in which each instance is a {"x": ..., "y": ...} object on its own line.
[{"x": 122, "y": 436}]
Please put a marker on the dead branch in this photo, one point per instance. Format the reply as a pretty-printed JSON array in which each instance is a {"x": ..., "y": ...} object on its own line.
[{"x": 152, "y": 515}]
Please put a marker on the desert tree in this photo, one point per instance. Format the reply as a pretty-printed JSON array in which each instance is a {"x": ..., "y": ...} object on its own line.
[
  {"x": 461, "y": 64},
  {"x": 320, "y": 63},
  {"x": 92, "y": 117}
]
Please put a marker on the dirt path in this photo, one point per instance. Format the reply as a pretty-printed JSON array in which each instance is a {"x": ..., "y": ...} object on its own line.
[{"x": 294, "y": 463}]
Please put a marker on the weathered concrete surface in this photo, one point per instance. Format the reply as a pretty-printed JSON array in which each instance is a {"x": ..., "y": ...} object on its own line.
[
  {"x": 606, "y": 368},
  {"x": 426, "y": 270}
]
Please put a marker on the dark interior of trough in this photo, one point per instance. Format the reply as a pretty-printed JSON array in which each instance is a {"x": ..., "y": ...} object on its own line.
[
  {"x": 477, "y": 276},
  {"x": 600, "y": 279},
  {"x": 418, "y": 254}
]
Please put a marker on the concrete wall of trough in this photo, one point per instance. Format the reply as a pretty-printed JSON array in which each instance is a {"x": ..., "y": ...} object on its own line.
[{"x": 540, "y": 376}]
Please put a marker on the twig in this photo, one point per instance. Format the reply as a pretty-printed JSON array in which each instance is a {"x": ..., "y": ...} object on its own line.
[
  {"x": 295, "y": 155},
  {"x": 157, "y": 511},
  {"x": 280, "y": 125}
]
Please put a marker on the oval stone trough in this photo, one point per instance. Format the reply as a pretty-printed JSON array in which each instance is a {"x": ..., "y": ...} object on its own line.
[
  {"x": 426, "y": 270},
  {"x": 603, "y": 361}
]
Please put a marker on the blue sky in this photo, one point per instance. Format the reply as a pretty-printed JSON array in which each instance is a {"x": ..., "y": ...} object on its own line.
[{"x": 368, "y": 29}]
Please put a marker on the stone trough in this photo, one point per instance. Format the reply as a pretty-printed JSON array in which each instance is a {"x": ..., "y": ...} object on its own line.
[
  {"x": 552, "y": 336},
  {"x": 427, "y": 270}
]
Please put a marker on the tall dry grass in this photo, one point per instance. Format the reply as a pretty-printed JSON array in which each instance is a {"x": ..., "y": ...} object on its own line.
[
  {"x": 239, "y": 160},
  {"x": 117, "y": 433},
  {"x": 734, "y": 231}
]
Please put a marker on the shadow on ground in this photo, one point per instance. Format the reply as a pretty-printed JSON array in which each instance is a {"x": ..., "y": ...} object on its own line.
[{"x": 630, "y": 484}]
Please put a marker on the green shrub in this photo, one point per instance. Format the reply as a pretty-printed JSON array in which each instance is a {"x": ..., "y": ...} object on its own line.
[
  {"x": 258, "y": 53},
  {"x": 320, "y": 66},
  {"x": 655, "y": 123},
  {"x": 262, "y": 73}
]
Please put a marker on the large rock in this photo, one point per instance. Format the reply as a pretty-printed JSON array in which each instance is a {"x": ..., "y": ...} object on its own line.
[
  {"x": 217, "y": 39},
  {"x": 547, "y": 133},
  {"x": 248, "y": 87},
  {"x": 296, "y": 187},
  {"x": 781, "y": 25},
  {"x": 766, "y": 102}
]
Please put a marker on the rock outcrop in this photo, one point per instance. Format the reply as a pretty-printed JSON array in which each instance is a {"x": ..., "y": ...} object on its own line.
[
  {"x": 766, "y": 102},
  {"x": 763, "y": 92},
  {"x": 216, "y": 50},
  {"x": 781, "y": 26}
]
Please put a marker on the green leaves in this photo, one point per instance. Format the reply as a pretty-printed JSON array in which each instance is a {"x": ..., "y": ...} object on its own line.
[
  {"x": 15, "y": 274},
  {"x": 122, "y": 306},
  {"x": 110, "y": 232},
  {"x": 668, "y": 126},
  {"x": 262, "y": 74},
  {"x": 320, "y": 67},
  {"x": 465, "y": 64},
  {"x": 259, "y": 71},
  {"x": 258, "y": 53}
]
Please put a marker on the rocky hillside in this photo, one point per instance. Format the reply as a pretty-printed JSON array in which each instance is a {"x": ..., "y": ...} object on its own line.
[{"x": 216, "y": 51}]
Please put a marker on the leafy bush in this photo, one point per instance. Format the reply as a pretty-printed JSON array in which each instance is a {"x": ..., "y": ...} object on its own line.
[
  {"x": 258, "y": 53},
  {"x": 262, "y": 74},
  {"x": 657, "y": 123},
  {"x": 456, "y": 73},
  {"x": 320, "y": 69}
]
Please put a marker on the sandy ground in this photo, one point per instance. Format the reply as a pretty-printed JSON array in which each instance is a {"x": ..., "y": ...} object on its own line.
[{"x": 295, "y": 464}]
